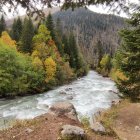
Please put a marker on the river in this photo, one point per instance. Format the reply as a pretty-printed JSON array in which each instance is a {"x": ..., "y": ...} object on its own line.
[{"x": 88, "y": 94}]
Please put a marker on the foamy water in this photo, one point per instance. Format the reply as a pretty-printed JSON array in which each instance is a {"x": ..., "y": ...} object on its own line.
[{"x": 90, "y": 94}]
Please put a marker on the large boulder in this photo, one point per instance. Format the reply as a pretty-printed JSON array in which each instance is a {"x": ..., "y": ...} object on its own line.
[
  {"x": 63, "y": 109},
  {"x": 98, "y": 127},
  {"x": 95, "y": 123},
  {"x": 71, "y": 132}
]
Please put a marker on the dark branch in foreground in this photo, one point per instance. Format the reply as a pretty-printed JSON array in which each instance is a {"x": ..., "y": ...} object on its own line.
[{"x": 37, "y": 6}]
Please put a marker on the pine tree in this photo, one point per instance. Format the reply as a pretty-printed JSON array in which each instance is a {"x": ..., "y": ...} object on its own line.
[
  {"x": 128, "y": 59},
  {"x": 2, "y": 24},
  {"x": 16, "y": 29},
  {"x": 27, "y": 36},
  {"x": 74, "y": 57},
  {"x": 58, "y": 39},
  {"x": 50, "y": 26},
  {"x": 99, "y": 51},
  {"x": 66, "y": 44}
]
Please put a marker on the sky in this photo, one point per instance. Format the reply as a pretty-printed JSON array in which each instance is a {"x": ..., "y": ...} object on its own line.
[
  {"x": 98, "y": 8},
  {"x": 105, "y": 10}
]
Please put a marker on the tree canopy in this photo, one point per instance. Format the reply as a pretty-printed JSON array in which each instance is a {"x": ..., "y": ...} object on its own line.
[
  {"x": 31, "y": 6},
  {"x": 127, "y": 59}
]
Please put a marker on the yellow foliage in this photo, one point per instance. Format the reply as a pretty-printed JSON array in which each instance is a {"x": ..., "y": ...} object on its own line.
[
  {"x": 7, "y": 39},
  {"x": 116, "y": 74},
  {"x": 42, "y": 50},
  {"x": 120, "y": 75},
  {"x": 44, "y": 44},
  {"x": 67, "y": 70},
  {"x": 50, "y": 66},
  {"x": 105, "y": 61},
  {"x": 35, "y": 53},
  {"x": 37, "y": 62}
]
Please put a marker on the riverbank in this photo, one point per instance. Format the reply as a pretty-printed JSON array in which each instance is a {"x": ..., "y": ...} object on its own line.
[
  {"x": 45, "y": 127},
  {"x": 121, "y": 122}
]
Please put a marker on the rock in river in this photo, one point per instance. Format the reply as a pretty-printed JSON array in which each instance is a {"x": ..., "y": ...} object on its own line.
[
  {"x": 70, "y": 97},
  {"x": 62, "y": 92},
  {"x": 63, "y": 109}
]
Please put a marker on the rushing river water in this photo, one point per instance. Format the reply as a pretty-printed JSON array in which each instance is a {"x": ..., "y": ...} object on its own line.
[{"x": 88, "y": 94}]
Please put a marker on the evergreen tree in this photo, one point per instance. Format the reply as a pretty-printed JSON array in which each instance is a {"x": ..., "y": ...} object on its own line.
[
  {"x": 50, "y": 26},
  {"x": 66, "y": 44},
  {"x": 2, "y": 24},
  {"x": 128, "y": 59},
  {"x": 74, "y": 57},
  {"x": 27, "y": 36},
  {"x": 99, "y": 51},
  {"x": 58, "y": 39},
  {"x": 16, "y": 29}
]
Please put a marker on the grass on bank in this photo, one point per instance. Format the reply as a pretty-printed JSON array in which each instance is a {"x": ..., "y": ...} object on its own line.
[{"x": 108, "y": 117}]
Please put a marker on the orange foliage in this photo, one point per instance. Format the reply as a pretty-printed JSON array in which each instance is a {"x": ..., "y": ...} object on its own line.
[{"x": 120, "y": 75}]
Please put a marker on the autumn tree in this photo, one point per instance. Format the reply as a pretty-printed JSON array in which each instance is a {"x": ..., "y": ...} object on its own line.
[
  {"x": 50, "y": 67},
  {"x": 7, "y": 39},
  {"x": 17, "y": 74},
  {"x": 45, "y": 52},
  {"x": 105, "y": 65},
  {"x": 43, "y": 44}
]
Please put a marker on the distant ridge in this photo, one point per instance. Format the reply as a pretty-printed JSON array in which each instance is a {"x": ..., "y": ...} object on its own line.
[
  {"x": 89, "y": 28},
  {"x": 46, "y": 11}
]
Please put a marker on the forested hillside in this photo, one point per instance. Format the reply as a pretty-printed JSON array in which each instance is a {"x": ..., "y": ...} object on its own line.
[
  {"x": 97, "y": 34},
  {"x": 36, "y": 58}
]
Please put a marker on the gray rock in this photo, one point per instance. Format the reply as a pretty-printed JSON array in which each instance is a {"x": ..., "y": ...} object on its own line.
[
  {"x": 28, "y": 130},
  {"x": 72, "y": 132},
  {"x": 113, "y": 91},
  {"x": 70, "y": 97},
  {"x": 68, "y": 89},
  {"x": 98, "y": 127},
  {"x": 44, "y": 106},
  {"x": 96, "y": 116},
  {"x": 62, "y": 92},
  {"x": 63, "y": 109},
  {"x": 115, "y": 102}
]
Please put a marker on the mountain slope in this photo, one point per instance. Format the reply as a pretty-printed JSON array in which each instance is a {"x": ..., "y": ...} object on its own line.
[{"x": 90, "y": 28}]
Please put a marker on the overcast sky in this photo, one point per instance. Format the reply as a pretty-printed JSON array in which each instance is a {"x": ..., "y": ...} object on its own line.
[
  {"x": 98, "y": 9},
  {"x": 105, "y": 10}
]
